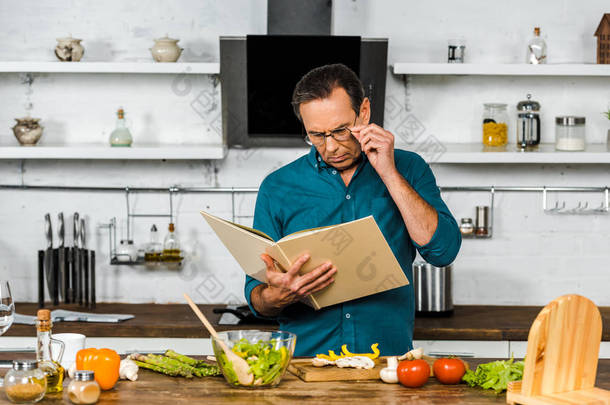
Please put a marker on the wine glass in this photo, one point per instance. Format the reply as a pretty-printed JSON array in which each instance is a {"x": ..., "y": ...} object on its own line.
[{"x": 7, "y": 310}]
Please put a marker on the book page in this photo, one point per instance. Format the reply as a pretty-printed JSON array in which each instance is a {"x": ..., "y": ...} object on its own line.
[
  {"x": 245, "y": 246},
  {"x": 365, "y": 262}
]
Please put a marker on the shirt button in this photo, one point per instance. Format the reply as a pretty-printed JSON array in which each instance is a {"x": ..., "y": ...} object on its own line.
[
  {"x": 316, "y": 165},
  {"x": 347, "y": 197},
  {"x": 347, "y": 316},
  {"x": 334, "y": 172},
  {"x": 319, "y": 159}
]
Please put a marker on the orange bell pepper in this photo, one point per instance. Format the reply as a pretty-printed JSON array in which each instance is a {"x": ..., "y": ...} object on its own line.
[{"x": 103, "y": 362}]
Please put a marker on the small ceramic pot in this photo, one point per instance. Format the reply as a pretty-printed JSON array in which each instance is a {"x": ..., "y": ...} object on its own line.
[
  {"x": 27, "y": 131},
  {"x": 69, "y": 49},
  {"x": 166, "y": 50}
]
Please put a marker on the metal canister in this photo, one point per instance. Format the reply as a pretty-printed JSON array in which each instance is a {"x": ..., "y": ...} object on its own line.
[
  {"x": 432, "y": 286},
  {"x": 528, "y": 123}
]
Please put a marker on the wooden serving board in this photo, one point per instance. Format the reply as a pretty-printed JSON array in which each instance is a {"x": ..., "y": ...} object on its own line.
[
  {"x": 303, "y": 369},
  {"x": 562, "y": 355}
]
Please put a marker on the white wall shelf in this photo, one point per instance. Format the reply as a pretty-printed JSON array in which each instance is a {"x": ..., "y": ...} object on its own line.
[
  {"x": 105, "y": 152},
  {"x": 545, "y": 153},
  {"x": 110, "y": 67},
  {"x": 516, "y": 69}
]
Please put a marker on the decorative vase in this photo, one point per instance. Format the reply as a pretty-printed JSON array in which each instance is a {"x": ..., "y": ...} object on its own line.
[
  {"x": 69, "y": 49},
  {"x": 27, "y": 131},
  {"x": 166, "y": 49}
]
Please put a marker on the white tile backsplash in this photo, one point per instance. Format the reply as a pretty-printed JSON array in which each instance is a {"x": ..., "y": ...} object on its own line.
[{"x": 532, "y": 258}]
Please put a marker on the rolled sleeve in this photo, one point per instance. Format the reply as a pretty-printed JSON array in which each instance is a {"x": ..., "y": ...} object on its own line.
[
  {"x": 443, "y": 247},
  {"x": 445, "y": 244}
]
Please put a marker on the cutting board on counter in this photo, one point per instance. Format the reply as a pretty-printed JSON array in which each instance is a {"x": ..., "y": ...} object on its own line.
[{"x": 302, "y": 368}]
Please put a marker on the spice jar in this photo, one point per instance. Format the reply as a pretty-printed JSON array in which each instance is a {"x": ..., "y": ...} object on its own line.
[
  {"x": 495, "y": 124},
  {"x": 466, "y": 227},
  {"x": 482, "y": 220},
  {"x": 25, "y": 383},
  {"x": 570, "y": 133},
  {"x": 83, "y": 389}
]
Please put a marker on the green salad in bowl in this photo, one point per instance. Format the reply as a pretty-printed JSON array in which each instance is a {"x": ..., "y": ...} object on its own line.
[{"x": 266, "y": 353}]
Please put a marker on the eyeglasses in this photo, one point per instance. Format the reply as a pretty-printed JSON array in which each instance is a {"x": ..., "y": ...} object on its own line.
[{"x": 340, "y": 135}]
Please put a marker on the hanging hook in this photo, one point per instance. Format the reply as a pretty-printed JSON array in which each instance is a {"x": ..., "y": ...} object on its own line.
[{"x": 171, "y": 204}]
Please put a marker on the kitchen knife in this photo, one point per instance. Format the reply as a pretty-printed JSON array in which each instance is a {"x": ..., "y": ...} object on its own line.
[
  {"x": 41, "y": 278},
  {"x": 55, "y": 286},
  {"x": 48, "y": 259},
  {"x": 92, "y": 276},
  {"x": 75, "y": 260},
  {"x": 84, "y": 264},
  {"x": 61, "y": 255}
]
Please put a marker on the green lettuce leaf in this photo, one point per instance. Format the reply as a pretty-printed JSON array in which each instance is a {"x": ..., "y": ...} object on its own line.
[{"x": 495, "y": 375}]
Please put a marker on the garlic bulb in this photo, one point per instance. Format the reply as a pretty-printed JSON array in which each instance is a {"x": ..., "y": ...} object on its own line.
[{"x": 128, "y": 370}]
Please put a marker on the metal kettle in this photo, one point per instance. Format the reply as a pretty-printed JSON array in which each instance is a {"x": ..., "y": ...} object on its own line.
[
  {"x": 432, "y": 286},
  {"x": 528, "y": 123}
]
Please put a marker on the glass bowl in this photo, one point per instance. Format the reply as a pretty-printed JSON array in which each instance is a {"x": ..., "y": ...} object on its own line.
[{"x": 268, "y": 354}]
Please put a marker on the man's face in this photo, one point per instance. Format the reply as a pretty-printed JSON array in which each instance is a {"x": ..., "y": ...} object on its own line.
[{"x": 328, "y": 114}]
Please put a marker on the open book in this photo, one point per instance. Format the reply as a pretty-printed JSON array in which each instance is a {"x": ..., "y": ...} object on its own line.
[{"x": 365, "y": 263}]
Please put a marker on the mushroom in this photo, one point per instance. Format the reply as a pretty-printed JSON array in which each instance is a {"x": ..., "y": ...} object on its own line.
[
  {"x": 388, "y": 374},
  {"x": 414, "y": 354},
  {"x": 355, "y": 361}
]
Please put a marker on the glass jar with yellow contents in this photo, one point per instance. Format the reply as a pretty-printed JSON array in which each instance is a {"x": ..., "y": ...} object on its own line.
[{"x": 495, "y": 124}]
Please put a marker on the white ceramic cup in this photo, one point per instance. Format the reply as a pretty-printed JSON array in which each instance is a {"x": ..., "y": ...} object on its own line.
[{"x": 73, "y": 343}]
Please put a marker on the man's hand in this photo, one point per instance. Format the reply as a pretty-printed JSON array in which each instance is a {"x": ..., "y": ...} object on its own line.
[
  {"x": 283, "y": 289},
  {"x": 378, "y": 145}
]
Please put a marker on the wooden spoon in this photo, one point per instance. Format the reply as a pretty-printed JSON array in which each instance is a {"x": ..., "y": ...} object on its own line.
[{"x": 241, "y": 367}]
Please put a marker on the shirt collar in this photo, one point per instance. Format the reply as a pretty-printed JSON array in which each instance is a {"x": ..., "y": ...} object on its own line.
[{"x": 318, "y": 163}]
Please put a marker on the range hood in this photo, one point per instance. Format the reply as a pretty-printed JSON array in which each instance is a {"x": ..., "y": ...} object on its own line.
[{"x": 299, "y": 17}]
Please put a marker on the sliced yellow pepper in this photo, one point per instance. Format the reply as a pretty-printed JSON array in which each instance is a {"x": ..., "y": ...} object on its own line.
[
  {"x": 332, "y": 356},
  {"x": 374, "y": 355}
]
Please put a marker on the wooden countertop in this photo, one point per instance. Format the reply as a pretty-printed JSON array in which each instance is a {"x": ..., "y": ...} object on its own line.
[
  {"x": 153, "y": 388},
  {"x": 471, "y": 322}
]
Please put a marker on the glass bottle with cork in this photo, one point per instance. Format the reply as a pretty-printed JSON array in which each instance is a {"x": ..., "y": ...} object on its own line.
[
  {"x": 54, "y": 372},
  {"x": 121, "y": 135},
  {"x": 171, "y": 246},
  {"x": 536, "y": 49}
]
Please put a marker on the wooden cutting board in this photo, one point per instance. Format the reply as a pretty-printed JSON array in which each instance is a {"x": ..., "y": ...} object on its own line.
[{"x": 303, "y": 369}]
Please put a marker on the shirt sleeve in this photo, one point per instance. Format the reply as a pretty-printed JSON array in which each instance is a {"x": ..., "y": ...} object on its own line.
[
  {"x": 445, "y": 244},
  {"x": 265, "y": 221}
]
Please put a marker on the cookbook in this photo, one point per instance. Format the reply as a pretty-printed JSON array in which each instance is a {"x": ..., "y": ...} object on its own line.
[{"x": 365, "y": 263}]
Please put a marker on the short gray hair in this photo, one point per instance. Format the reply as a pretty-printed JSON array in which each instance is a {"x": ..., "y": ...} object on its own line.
[{"x": 319, "y": 82}]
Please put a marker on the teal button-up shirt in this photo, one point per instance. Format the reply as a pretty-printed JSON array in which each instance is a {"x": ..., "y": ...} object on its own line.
[{"x": 308, "y": 193}]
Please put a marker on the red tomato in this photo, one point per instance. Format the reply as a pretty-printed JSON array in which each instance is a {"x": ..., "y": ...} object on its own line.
[
  {"x": 449, "y": 370},
  {"x": 413, "y": 373}
]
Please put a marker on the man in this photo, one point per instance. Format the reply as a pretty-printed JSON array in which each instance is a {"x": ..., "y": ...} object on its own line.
[{"x": 351, "y": 171}]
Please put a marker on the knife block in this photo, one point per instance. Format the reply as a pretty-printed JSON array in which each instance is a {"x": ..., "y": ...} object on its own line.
[{"x": 562, "y": 355}]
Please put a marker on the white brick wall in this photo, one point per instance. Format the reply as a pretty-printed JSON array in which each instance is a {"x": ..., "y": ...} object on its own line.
[{"x": 532, "y": 258}]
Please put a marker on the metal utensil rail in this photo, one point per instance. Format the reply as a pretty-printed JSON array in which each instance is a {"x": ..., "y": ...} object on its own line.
[{"x": 603, "y": 208}]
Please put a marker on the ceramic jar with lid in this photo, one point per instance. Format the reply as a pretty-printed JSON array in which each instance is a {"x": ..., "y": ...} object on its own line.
[
  {"x": 25, "y": 383},
  {"x": 83, "y": 389},
  {"x": 27, "y": 131},
  {"x": 166, "y": 49},
  {"x": 69, "y": 49}
]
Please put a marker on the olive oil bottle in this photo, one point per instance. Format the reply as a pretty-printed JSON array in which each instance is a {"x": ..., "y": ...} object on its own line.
[
  {"x": 171, "y": 246},
  {"x": 54, "y": 372}
]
